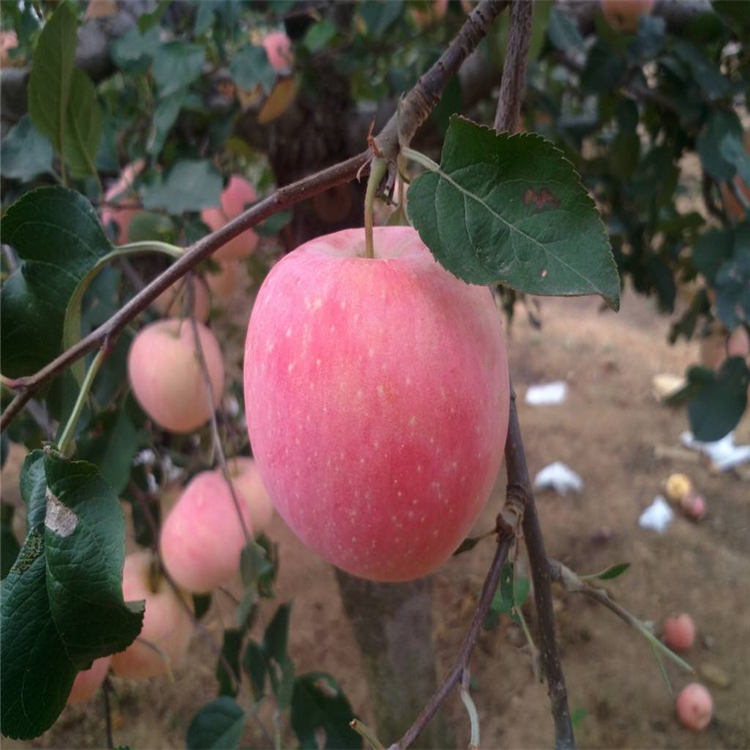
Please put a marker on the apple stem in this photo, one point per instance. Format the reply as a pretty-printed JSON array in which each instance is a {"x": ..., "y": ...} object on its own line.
[
  {"x": 377, "y": 172},
  {"x": 67, "y": 433}
]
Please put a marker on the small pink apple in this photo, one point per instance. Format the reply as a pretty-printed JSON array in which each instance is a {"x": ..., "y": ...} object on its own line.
[
  {"x": 679, "y": 632},
  {"x": 167, "y": 627},
  {"x": 247, "y": 480},
  {"x": 693, "y": 506},
  {"x": 166, "y": 377},
  {"x": 279, "y": 50},
  {"x": 695, "y": 707},
  {"x": 377, "y": 400},
  {"x": 223, "y": 282},
  {"x": 202, "y": 538},
  {"x": 237, "y": 194},
  {"x": 89, "y": 681},
  {"x": 120, "y": 193}
]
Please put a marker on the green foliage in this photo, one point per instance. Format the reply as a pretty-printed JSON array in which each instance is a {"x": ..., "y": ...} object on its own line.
[
  {"x": 25, "y": 152},
  {"x": 62, "y": 604},
  {"x": 189, "y": 186},
  {"x": 229, "y": 681},
  {"x": 509, "y": 597},
  {"x": 217, "y": 726},
  {"x": 511, "y": 209},
  {"x": 250, "y": 68}
]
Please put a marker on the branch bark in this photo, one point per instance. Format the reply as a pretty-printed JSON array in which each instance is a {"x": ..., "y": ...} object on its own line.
[{"x": 416, "y": 107}]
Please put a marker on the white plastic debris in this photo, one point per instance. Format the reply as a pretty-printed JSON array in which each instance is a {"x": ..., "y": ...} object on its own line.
[
  {"x": 559, "y": 477},
  {"x": 723, "y": 454},
  {"x": 547, "y": 394},
  {"x": 657, "y": 516}
]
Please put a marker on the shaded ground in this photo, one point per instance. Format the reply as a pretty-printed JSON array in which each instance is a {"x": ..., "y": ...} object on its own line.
[{"x": 607, "y": 431}]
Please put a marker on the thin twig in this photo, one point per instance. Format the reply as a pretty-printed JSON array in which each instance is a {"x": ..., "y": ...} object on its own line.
[
  {"x": 213, "y": 405},
  {"x": 415, "y": 109},
  {"x": 518, "y": 480},
  {"x": 514, "y": 68},
  {"x": 467, "y": 646}
]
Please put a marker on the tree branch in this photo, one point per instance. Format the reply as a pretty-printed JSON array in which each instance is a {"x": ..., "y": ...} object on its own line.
[
  {"x": 415, "y": 108},
  {"x": 514, "y": 69}
]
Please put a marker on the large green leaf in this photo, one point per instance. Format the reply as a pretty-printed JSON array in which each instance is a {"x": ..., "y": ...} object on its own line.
[
  {"x": 62, "y": 604},
  {"x": 25, "y": 152},
  {"x": 57, "y": 234},
  {"x": 190, "y": 186},
  {"x": 51, "y": 74},
  {"x": 719, "y": 399},
  {"x": 217, "y": 726},
  {"x": 511, "y": 209},
  {"x": 250, "y": 67},
  {"x": 177, "y": 65},
  {"x": 318, "y": 703},
  {"x": 83, "y": 126}
]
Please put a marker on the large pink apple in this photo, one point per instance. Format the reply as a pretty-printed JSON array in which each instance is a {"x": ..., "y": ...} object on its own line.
[
  {"x": 166, "y": 376},
  {"x": 202, "y": 539},
  {"x": 377, "y": 399},
  {"x": 89, "y": 681},
  {"x": 167, "y": 627},
  {"x": 235, "y": 196}
]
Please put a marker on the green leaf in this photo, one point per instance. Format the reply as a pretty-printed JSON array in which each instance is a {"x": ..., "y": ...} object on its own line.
[
  {"x": 165, "y": 116},
  {"x": 112, "y": 448},
  {"x": 133, "y": 51},
  {"x": 57, "y": 234},
  {"x": 147, "y": 21},
  {"x": 707, "y": 75},
  {"x": 318, "y": 703},
  {"x": 62, "y": 604},
  {"x": 190, "y": 186},
  {"x": 379, "y": 16},
  {"x": 147, "y": 225},
  {"x": 254, "y": 666},
  {"x": 201, "y": 605},
  {"x": 710, "y": 251},
  {"x": 468, "y": 544},
  {"x": 733, "y": 282},
  {"x": 562, "y": 32},
  {"x": 217, "y": 726},
  {"x": 276, "y": 636},
  {"x": 720, "y": 399},
  {"x": 250, "y": 67},
  {"x": 51, "y": 74},
  {"x": 25, "y": 152},
  {"x": 708, "y": 144},
  {"x": 229, "y": 683},
  {"x": 177, "y": 65},
  {"x": 608, "y": 574},
  {"x": 204, "y": 18},
  {"x": 318, "y": 36},
  {"x": 254, "y": 563},
  {"x": 512, "y": 209},
  {"x": 604, "y": 69},
  {"x": 511, "y": 594},
  {"x": 83, "y": 126},
  {"x": 733, "y": 151}
]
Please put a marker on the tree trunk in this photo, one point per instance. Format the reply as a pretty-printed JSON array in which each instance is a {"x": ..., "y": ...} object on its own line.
[{"x": 393, "y": 627}]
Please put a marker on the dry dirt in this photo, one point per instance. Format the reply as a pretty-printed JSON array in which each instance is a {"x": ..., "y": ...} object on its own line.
[{"x": 607, "y": 431}]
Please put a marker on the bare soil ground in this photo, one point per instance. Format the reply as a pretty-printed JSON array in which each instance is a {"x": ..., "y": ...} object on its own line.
[{"x": 607, "y": 431}]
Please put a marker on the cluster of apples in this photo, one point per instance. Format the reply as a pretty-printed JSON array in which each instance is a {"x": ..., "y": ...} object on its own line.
[{"x": 201, "y": 539}]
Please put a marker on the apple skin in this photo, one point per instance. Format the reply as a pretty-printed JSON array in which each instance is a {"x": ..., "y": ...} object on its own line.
[
  {"x": 166, "y": 623},
  {"x": 223, "y": 283},
  {"x": 695, "y": 707},
  {"x": 625, "y": 15},
  {"x": 166, "y": 377},
  {"x": 202, "y": 539},
  {"x": 679, "y": 632},
  {"x": 278, "y": 47},
  {"x": 248, "y": 481},
  {"x": 237, "y": 193},
  {"x": 118, "y": 193},
  {"x": 89, "y": 681},
  {"x": 377, "y": 398}
]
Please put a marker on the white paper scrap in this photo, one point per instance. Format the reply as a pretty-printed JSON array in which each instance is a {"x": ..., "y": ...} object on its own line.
[
  {"x": 546, "y": 394},
  {"x": 657, "y": 516},
  {"x": 559, "y": 477}
]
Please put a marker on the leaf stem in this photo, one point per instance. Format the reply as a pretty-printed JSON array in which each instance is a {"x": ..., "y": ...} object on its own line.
[
  {"x": 421, "y": 158},
  {"x": 366, "y": 733},
  {"x": 378, "y": 168},
  {"x": 75, "y": 415},
  {"x": 152, "y": 246},
  {"x": 471, "y": 709}
]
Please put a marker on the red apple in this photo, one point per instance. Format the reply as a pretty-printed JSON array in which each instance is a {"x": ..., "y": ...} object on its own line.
[
  {"x": 279, "y": 50},
  {"x": 236, "y": 195},
  {"x": 625, "y": 15},
  {"x": 89, "y": 681},
  {"x": 376, "y": 393},
  {"x": 167, "y": 627},
  {"x": 248, "y": 482},
  {"x": 695, "y": 707},
  {"x": 120, "y": 192},
  {"x": 679, "y": 632},
  {"x": 166, "y": 376},
  {"x": 202, "y": 538}
]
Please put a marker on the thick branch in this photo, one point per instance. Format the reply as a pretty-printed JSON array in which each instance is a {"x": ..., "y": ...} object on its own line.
[
  {"x": 415, "y": 109},
  {"x": 518, "y": 476},
  {"x": 514, "y": 70}
]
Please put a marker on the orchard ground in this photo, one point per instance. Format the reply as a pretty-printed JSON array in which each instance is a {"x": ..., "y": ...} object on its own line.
[{"x": 607, "y": 431}]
